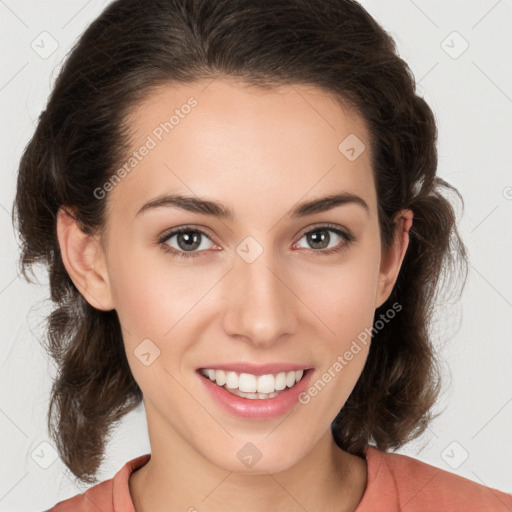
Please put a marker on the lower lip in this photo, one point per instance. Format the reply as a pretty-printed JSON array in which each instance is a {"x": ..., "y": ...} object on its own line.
[{"x": 267, "y": 408}]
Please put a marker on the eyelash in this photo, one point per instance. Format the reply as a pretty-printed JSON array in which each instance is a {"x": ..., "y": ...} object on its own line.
[{"x": 348, "y": 239}]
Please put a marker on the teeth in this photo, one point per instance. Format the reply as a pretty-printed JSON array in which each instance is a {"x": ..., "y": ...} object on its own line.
[
  {"x": 253, "y": 396},
  {"x": 253, "y": 386}
]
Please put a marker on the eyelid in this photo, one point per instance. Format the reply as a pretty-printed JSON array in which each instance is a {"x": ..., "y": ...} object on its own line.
[
  {"x": 327, "y": 225},
  {"x": 186, "y": 227},
  {"x": 189, "y": 227}
]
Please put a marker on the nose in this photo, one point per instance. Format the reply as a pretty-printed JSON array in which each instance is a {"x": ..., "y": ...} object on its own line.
[{"x": 260, "y": 306}]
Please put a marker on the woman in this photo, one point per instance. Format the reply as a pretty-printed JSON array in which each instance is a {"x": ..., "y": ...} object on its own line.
[{"x": 238, "y": 205}]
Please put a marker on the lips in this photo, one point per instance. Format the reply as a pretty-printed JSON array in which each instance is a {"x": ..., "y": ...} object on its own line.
[{"x": 267, "y": 400}]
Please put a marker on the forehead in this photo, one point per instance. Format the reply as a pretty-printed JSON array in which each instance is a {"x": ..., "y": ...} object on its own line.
[{"x": 249, "y": 147}]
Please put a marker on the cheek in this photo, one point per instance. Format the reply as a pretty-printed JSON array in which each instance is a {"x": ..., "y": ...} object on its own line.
[
  {"x": 342, "y": 297},
  {"x": 148, "y": 309},
  {"x": 159, "y": 306},
  {"x": 346, "y": 308},
  {"x": 151, "y": 295}
]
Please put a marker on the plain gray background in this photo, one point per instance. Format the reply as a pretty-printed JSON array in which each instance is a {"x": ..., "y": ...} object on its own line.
[{"x": 459, "y": 52}]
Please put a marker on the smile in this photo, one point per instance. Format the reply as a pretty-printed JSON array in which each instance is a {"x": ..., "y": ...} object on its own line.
[{"x": 251, "y": 386}]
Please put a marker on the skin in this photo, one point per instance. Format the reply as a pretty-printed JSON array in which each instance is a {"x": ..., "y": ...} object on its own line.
[{"x": 260, "y": 153}]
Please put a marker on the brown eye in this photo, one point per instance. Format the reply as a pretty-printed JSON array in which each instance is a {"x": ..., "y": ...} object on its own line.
[
  {"x": 187, "y": 242},
  {"x": 321, "y": 239}
]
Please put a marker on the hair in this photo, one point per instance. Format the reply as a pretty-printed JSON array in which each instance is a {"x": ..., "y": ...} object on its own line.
[{"x": 134, "y": 47}]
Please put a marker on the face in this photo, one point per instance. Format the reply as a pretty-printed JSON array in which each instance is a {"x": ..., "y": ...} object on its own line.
[{"x": 270, "y": 288}]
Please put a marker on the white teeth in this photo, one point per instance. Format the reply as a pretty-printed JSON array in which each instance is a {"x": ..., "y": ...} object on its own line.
[
  {"x": 280, "y": 381},
  {"x": 266, "y": 384},
  {"x": 253, "y": 386},
  {"x": 253, "y": 396},
  {"x": 231, "y": 380},
  {"x": 247, "y": 383},
  {"x": 218, "y": 376}
]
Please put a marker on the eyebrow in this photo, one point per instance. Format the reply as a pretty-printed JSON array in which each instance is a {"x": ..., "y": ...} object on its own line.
[{"x": 202, "y": 206}]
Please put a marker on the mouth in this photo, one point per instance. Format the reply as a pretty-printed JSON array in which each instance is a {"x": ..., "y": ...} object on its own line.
[{"x": 252, "y": 386}]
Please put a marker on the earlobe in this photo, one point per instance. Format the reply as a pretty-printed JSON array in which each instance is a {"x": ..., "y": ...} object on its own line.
[
  {"x": 391, "y": 262},
  {"x": 84, "y": 260}
]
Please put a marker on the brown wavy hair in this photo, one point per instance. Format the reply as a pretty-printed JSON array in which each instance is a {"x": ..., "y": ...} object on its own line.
[{"x": 80, "y": 139}]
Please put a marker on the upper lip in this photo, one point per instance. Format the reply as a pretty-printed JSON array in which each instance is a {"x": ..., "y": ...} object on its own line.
[{"x": 257, "y": 369}]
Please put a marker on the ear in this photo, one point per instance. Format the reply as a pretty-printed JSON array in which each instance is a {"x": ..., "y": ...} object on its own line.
[
  {"x": 84, "y": 259},
  {"x": 392, "y": 259}
]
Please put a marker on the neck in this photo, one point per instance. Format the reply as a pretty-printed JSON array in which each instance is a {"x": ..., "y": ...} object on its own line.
[{"x": 179, "y": 478}]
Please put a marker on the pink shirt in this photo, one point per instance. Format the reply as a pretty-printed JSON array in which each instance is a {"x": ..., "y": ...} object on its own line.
[{"x": 395, "y": 482}]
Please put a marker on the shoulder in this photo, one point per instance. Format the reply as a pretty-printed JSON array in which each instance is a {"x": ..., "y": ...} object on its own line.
[
  {"x": 96, "y": 498},
  {"x": 112, "y": 495},
  {"x": 400, "y": 482}
]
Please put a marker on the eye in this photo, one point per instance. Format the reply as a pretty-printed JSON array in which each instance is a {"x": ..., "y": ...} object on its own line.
[
  {"x": 320, "y": 239},
  {"x": 189, "y": 242}
]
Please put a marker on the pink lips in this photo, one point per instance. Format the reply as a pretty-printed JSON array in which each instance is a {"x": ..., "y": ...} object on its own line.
[{"x": 265, "y": 409}]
